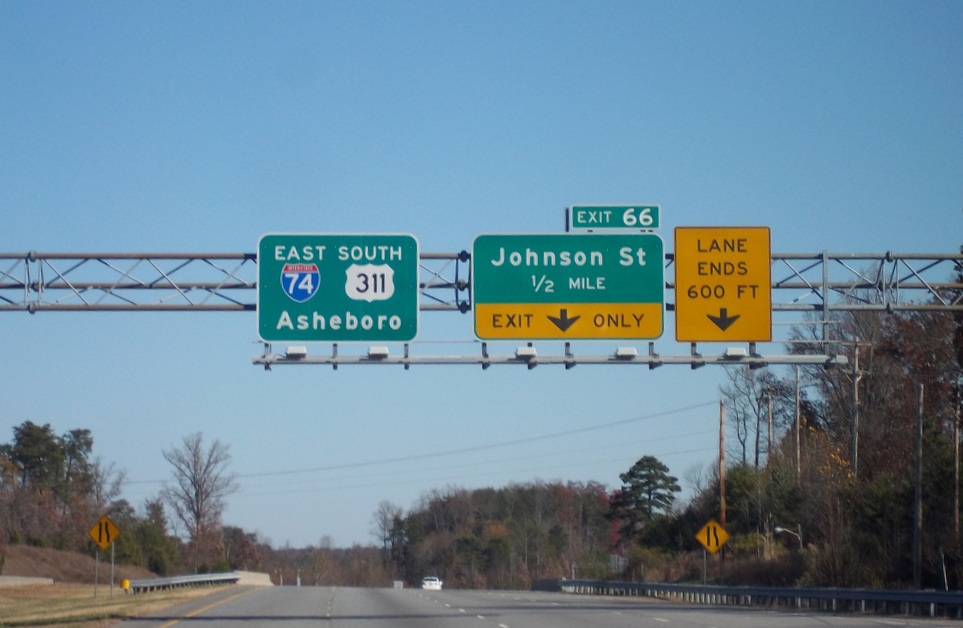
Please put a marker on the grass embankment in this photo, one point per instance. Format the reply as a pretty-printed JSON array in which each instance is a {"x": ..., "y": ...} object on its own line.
[{"x": 74, "y": 605}]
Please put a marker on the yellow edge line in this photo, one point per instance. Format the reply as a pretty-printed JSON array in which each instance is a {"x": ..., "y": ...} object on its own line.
[{"x": 206, "y": 608}]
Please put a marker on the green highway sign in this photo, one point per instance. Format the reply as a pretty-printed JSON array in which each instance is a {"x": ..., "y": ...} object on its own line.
[
  {"x": 593, "y": 217},
  {"x": 568, "y": 286},
  {"x": 337, "y": 288}
]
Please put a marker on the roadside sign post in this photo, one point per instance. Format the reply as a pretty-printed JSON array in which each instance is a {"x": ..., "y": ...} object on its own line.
[
  {"x": 723, "y": 285},
  {"x": 568, "y": 286},
  {"x": 104, "y": 533},
  {"x": 337, "y": 288},
  {"x": 712, "y": 537}
]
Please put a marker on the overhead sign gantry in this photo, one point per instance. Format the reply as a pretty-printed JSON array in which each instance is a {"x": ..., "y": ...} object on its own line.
[{"x": 300, "y": 290}]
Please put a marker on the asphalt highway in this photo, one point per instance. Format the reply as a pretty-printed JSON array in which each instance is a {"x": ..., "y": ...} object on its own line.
[{"x": 340, "y": 607}]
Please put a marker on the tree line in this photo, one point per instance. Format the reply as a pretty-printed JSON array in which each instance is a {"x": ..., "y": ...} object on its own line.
[
  {"x": 843, "y": 470},
  {"x": 846, "y": 476},
  {"x": 51, "y": 487},
  {"x": 52, "y": 490}
]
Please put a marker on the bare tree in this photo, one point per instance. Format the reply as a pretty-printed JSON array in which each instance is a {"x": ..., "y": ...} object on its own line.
[
  {"x": 383, "y": 525},
  {"x": 107, "y": 481},
  {"x": 201, "y": 482},
  {"x": 321, "y": 565},
  {"x": 749, "y": 398}
]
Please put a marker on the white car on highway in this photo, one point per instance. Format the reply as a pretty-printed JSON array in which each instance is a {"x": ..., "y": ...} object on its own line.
[{"x": 431, "y": 583}]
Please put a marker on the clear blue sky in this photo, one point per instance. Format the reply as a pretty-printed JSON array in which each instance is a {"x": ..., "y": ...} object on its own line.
[{"x": 198, "y": 127}]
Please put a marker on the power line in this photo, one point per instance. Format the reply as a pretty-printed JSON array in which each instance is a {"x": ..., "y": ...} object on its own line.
[
  {"x": 460, "y": 451},
  {"x": 465, "y": 450},
  {"x": 311, "y": 484},
  {"x": 324, "y": 489}
]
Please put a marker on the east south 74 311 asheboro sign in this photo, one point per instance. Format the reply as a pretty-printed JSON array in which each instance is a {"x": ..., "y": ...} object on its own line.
[
  {"x": 568, "y": 286},
  {"x": 337, "y": 287}
]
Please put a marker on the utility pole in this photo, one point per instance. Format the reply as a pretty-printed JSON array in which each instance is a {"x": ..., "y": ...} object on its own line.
[
  {"x": 956, "y": 457},
  {"x": 798, "y": 420},
  {"x": 722, "y": 463},
  {"x": 918, "y": 496},
  {"x": 769, "y": 445},
  {"x": 856, "y": 377},
  {"x": 722, "y": 480}
]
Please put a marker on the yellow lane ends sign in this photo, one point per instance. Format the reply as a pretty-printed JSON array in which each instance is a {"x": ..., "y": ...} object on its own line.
[
  {"x": 723, "y": 284},
  {"x": 712, "y": 536},
  {"x": 104, "y": 532}
]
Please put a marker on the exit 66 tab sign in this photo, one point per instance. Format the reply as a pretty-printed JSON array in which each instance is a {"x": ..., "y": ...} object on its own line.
[
  {"x": 568, "y": 286},
  {"x": 337, "y": 288}
]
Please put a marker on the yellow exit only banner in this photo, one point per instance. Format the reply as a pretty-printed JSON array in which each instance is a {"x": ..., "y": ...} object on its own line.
[{"x": 534, "y": 321}]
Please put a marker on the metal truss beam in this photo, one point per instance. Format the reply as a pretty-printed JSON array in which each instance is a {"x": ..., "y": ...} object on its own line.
[
  {"x": 198, "y": 282},
  {"x": 36, "y": 282},
  {"x": 852, "y": 282},
  {"x": 178, "y": 282}
]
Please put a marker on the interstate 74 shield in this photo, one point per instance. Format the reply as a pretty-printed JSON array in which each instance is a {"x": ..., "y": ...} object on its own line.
[{"x": 300, "y": 281}]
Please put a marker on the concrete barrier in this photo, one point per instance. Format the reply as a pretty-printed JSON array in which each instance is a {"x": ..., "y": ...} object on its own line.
[
  {"x": 254, "y": 578},
  {"x": 13, "y": 581}
]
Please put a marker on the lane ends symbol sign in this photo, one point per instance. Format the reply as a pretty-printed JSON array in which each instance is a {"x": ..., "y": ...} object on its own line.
[
  {"x": 712, "y": 536},
  {"x": 104, "y": 532}
]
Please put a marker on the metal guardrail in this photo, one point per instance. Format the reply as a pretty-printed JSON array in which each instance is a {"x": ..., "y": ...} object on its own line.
[
  {"x": 163, "y": 584},
  {"x": 875, "y": 601}
]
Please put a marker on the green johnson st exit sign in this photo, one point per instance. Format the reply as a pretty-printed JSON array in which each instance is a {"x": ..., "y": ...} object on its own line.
[
  {"x": 568, "y": 286},
  {"x": 337, "y": 287}
]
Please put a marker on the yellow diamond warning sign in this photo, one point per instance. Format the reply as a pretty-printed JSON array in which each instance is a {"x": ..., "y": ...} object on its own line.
[
  {"x": 712, "y": 536},
  {"x": 723, "y": 284},
  {"x": 104, "y": 532}
]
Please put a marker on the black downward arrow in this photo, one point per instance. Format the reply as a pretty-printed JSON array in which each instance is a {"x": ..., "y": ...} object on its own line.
[
  {"x": 723, "y": 321},
  {"x": 562, "y": 321}
]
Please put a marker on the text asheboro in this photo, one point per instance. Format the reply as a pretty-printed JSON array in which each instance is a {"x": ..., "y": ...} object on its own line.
[{"x": 318, "y": 322}]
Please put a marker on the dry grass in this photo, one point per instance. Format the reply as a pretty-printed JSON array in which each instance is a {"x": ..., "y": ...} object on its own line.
[
  {"x": 42, "y": 562},
  {"x": 74, "y": 605}
]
